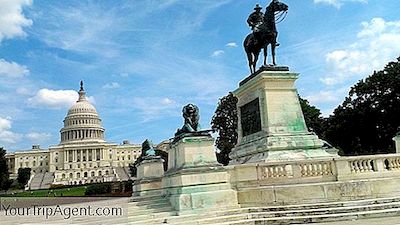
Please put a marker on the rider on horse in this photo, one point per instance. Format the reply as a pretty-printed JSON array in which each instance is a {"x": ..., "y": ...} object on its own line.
[
  {"x": 264, "y": 32},
  {"x": 255, "y": 19}
]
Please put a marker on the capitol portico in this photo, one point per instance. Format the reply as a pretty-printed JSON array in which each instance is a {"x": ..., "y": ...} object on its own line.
[{"x": 82, "y": 156}]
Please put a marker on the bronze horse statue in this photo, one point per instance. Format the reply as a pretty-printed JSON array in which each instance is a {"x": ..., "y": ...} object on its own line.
[{"x": 264, "y": 35}]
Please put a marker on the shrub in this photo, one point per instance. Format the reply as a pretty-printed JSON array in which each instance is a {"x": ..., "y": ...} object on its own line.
[{"x": 98, "y": 189}]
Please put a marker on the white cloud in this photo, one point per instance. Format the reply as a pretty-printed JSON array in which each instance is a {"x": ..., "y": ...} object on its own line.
[
  {"x": 23, "y": 91},
  {"x": 55, "y": 99},
  {"x": 12, "y": 69},
  {"x": 112, "y": 85},
  {"x": 6, "y": 135},
  {"x": 167, "y": 101},
  {"x": 217, "y": 53},
  {"x": 327, "y": 96},
  {"x": 12, "y": 19},
  {"x": 377, "y": 44},
  {"x": 83, "y": 27},
  {"x": 323, "y": 97},
  {"x": 37, "y": 138},
  {"x": 338, "y": 3},
  {"x": 231, "y": 45},
  {"x": 154, "y": 107}
]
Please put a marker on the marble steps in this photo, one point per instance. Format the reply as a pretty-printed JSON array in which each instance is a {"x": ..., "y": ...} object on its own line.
[
  {"x": 121, "y": 173},
  {"x": 36, "y": 181},
  {"x": 260, "y": 214},
  {"x": 313, "y": 218},
  {"x": 328, "y": 204},
  {"x": 149, "y": 210},
  {"x": 156, "y": 210},
  {"x": 48, "y": 179},
  {"x": 156, "y": 204},
  {"x": 143, "y": 208},
  {"x": 138, "y": 219},
  {"x": 279, "y": 211},
  {"x": 147, "y": 201},
  {"x": 146, "y": 198}
]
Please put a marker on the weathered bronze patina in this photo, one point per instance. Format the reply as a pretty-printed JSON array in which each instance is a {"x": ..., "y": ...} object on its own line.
[
  {"x": 191, "y": 126},
  {"x": 250, "y": 117},
  {"x": 147, "y": 149}
]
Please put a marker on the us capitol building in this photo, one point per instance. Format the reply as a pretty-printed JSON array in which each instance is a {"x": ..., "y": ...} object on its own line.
[{"x": 82, "y": 156}]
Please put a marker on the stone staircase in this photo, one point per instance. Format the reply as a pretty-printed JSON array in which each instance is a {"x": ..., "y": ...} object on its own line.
[
  {"x": 41, "y": 181},
  {"x": 141, "y": 210},
  {"x": 127, "y": 171},
  {"x": 121, "y": 173},
  {"x": 36, "y": 181},
  {"x": 48, "y": 179},
  {"x": 157, "y": 210}
]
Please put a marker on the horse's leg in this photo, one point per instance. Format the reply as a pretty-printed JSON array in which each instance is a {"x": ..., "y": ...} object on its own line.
[
  {"x": 250, "y": 59},
  {"x": 273, "y": 45},
  {"x": 265, "y": 55},
  {"x": 255, "y": 61}
]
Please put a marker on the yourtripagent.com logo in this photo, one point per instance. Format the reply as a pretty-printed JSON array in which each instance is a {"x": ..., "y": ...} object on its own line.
[{"x": 65, "y": 212}]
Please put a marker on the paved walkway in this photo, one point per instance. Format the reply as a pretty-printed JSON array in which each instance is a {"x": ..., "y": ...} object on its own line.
[{"x": 375, "y": 221}]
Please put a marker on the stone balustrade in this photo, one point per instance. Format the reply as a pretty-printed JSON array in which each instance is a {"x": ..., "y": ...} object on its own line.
[
  {"x": 365, "y": 167},
  {"x": 315, "y": 170}
]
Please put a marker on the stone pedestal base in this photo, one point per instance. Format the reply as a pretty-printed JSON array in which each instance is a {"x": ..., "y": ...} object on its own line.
[
  {"x": 195, "y": 180},
  {"x": 271, "y": 122},
  {"x": 149, "y": 174},
  {"x": 263, "y": 148}
]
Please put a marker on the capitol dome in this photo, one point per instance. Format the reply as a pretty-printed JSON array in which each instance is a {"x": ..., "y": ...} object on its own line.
[{"x": 82, "y": 123}]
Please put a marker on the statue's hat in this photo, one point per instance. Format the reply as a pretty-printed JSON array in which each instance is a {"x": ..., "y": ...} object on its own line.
[{"x": 257, "y": 7}]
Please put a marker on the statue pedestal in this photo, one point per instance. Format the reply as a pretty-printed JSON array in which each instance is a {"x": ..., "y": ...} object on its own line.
[
  {"x": 195, "y": 180},
  {"x": 149, "y": 176},
  {"x": 397, "y": 142},
  {"x": 271, "y": 122}
]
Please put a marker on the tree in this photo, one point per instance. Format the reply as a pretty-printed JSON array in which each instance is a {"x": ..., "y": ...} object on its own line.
[
  {"x": 4, "y": 175},
  {"x": 225, "y": 122},
  {"x": 368, "y": 119},
  {"x": 313, "y": 117},
  {"x": 23, "y": 176}
]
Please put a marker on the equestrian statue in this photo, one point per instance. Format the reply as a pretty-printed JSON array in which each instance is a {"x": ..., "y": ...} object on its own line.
[{"x": 264, "y": 32}]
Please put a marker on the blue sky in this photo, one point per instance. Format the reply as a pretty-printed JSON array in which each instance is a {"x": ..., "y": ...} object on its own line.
[{"x": 141, "y": 61}]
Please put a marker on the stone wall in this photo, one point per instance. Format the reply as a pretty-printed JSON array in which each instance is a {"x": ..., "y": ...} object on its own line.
[{"x": 308, "y": 181}]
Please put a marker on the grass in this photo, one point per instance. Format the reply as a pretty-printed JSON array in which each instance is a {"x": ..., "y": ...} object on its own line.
[{"x": 62, "y": 192}]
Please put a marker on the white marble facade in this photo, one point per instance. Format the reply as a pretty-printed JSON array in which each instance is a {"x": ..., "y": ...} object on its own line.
[{"x": 83, "y": 155}]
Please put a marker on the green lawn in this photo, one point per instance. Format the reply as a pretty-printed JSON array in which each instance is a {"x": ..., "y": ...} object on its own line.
[{"x": 62, "y": 192}]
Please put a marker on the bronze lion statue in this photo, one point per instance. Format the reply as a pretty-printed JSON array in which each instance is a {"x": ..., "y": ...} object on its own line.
[{"x": 191, "y": 116}]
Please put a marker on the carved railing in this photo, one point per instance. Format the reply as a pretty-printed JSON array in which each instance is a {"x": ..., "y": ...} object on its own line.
[
  {"x": 275, "y": 171},
  {"x": 392, "y": 164},
  {"x": 362, "y": 166},
  {"x": 316, "y": 170},
  {"x": 319, "y": 168}
]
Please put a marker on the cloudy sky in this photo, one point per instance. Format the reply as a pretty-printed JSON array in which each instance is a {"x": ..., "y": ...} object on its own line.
[{"x": 141, "y": 61}]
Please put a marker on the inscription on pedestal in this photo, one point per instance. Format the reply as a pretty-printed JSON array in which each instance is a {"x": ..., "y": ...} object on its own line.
[{"x": 250, "y": 117}]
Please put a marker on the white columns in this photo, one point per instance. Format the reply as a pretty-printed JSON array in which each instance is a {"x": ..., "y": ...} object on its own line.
[{"x": 397, "y": 142}]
